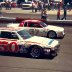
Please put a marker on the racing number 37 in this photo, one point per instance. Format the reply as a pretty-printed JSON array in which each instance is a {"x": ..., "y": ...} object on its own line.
[
  {"x": 33, "y": 31},
  {"x": 8, "y": 47}
]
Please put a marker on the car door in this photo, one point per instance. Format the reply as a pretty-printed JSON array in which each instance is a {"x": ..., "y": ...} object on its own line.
[
  {"x": 38, "y": 29},
  {"x": 31, "y": 27},
  {"x": 34, "y": 28}
]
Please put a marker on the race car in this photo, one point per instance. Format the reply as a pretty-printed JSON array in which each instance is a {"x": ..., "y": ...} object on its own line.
[
  {"x": 17, "y": 40},
  {"x": 26, "y": 5},
  {"x": 39, "y": 28}
]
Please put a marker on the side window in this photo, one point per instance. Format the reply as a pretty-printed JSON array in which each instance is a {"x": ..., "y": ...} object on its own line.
[
  {"x": 34, "y": 24},
  {"x": 37, "y": 25},
  {"x": 5, "y": 34},
  {"x": 14, "y": 36},
  {"x": 31, "y": 24},
  {"x": 25, "y": 24},
  {"x": 8, "y": 35}
]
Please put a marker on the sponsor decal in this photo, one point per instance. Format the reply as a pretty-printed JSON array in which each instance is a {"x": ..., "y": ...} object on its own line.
[{"x": 22, "y": 49}]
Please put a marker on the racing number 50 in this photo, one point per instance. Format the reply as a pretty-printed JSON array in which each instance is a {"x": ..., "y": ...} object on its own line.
[
  {"x": 5, "y": 47},
  {"x": 13, "y": 47}
]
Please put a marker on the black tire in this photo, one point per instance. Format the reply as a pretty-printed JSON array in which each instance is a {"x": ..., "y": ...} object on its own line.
[
  {"x": 35, "y": 52},
  {"x": 51, "y": 34}
]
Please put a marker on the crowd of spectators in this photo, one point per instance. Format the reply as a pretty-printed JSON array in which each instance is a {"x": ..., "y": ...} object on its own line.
[
  {"x": 7, "y": 4},
  {"x": 41, "y": 7},
  {"x": 36, "y": 5}
]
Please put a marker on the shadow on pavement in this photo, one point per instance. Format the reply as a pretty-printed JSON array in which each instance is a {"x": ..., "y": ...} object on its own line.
[{"x": 24, "y": 55}]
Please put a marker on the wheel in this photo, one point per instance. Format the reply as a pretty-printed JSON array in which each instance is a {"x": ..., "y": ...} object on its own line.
[
  {"x": 35, "y": 52},
  {"x": 52, "y": 34}
]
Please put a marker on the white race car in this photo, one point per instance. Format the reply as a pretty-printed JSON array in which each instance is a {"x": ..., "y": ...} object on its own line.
[
  {"x": 26, "y": 5},
  {"x": 39, "y": 28},
  {"x": 17, "y": 40}
]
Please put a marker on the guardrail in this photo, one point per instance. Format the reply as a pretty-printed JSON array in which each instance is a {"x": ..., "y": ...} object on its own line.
[
  {"x": 7, "y": 19},
  {"x": 50, "y": 22},
  {"x": 60, "y": 22}
]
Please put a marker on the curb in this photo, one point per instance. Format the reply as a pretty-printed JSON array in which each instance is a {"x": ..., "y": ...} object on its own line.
[{"x": 60, "y": 22}]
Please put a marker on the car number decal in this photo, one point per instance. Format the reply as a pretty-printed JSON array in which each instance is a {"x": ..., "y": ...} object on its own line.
[
  {"x": 31, "y": 31},
  {"x": 6, "y": 47},
  {"x": 13, "y": 47},
  {"x": 36, "y": 31},
  {"x": 3, "y": 46}
]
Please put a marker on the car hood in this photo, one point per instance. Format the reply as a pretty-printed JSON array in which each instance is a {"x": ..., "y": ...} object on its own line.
[
  {"x": 55, "y": 28},
  {"x": 12, "y": 24},
  {"x": 47, "y": 42}
]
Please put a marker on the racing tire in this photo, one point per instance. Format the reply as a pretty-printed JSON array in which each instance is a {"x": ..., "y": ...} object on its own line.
[
  {"x": 35, "y": 52},
  {"x": 51, "y": 34}
]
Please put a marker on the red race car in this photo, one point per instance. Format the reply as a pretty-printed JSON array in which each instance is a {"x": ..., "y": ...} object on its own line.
[{"x": 39, "y": 28}]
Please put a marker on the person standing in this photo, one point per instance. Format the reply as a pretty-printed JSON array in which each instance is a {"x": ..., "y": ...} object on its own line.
[
  {"x": 44, "y": 14},
  {"x": 58, "y": 14},
  {"x": 9, "y": 3},
  {"x": 33, "y": 5},
  {"x": 65, "y": 13},
  {"x": 36, "y": 6},
  {"x": 39, "y": 6},
  {"x": 0, "y": 6}
]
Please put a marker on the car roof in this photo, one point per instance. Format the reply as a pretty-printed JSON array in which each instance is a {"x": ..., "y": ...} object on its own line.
[
  {"x": 32, "y": 20},
  {"x": 10, "y": 28}
]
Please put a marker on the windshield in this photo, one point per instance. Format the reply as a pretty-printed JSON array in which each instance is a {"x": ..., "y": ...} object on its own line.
[
  {"x": 43, "y": 24},
  {"x": 24, "y": 34}
]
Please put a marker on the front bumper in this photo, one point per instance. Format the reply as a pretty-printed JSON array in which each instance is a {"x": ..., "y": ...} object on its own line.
[
  {"x": 52, "y": 52},
  {"x": 61, "y": 34}
]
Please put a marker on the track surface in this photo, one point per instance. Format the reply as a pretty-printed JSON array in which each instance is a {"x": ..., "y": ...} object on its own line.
[{"x": 61, "y": 63}]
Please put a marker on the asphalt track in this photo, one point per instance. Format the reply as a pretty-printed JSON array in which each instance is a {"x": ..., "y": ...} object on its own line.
[{"x": 61, "y": 63}]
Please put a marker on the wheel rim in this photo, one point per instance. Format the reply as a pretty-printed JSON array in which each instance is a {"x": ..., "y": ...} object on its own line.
[
  {"x": 52, "y": 34},
  {"x": 35, "y": 52}
]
